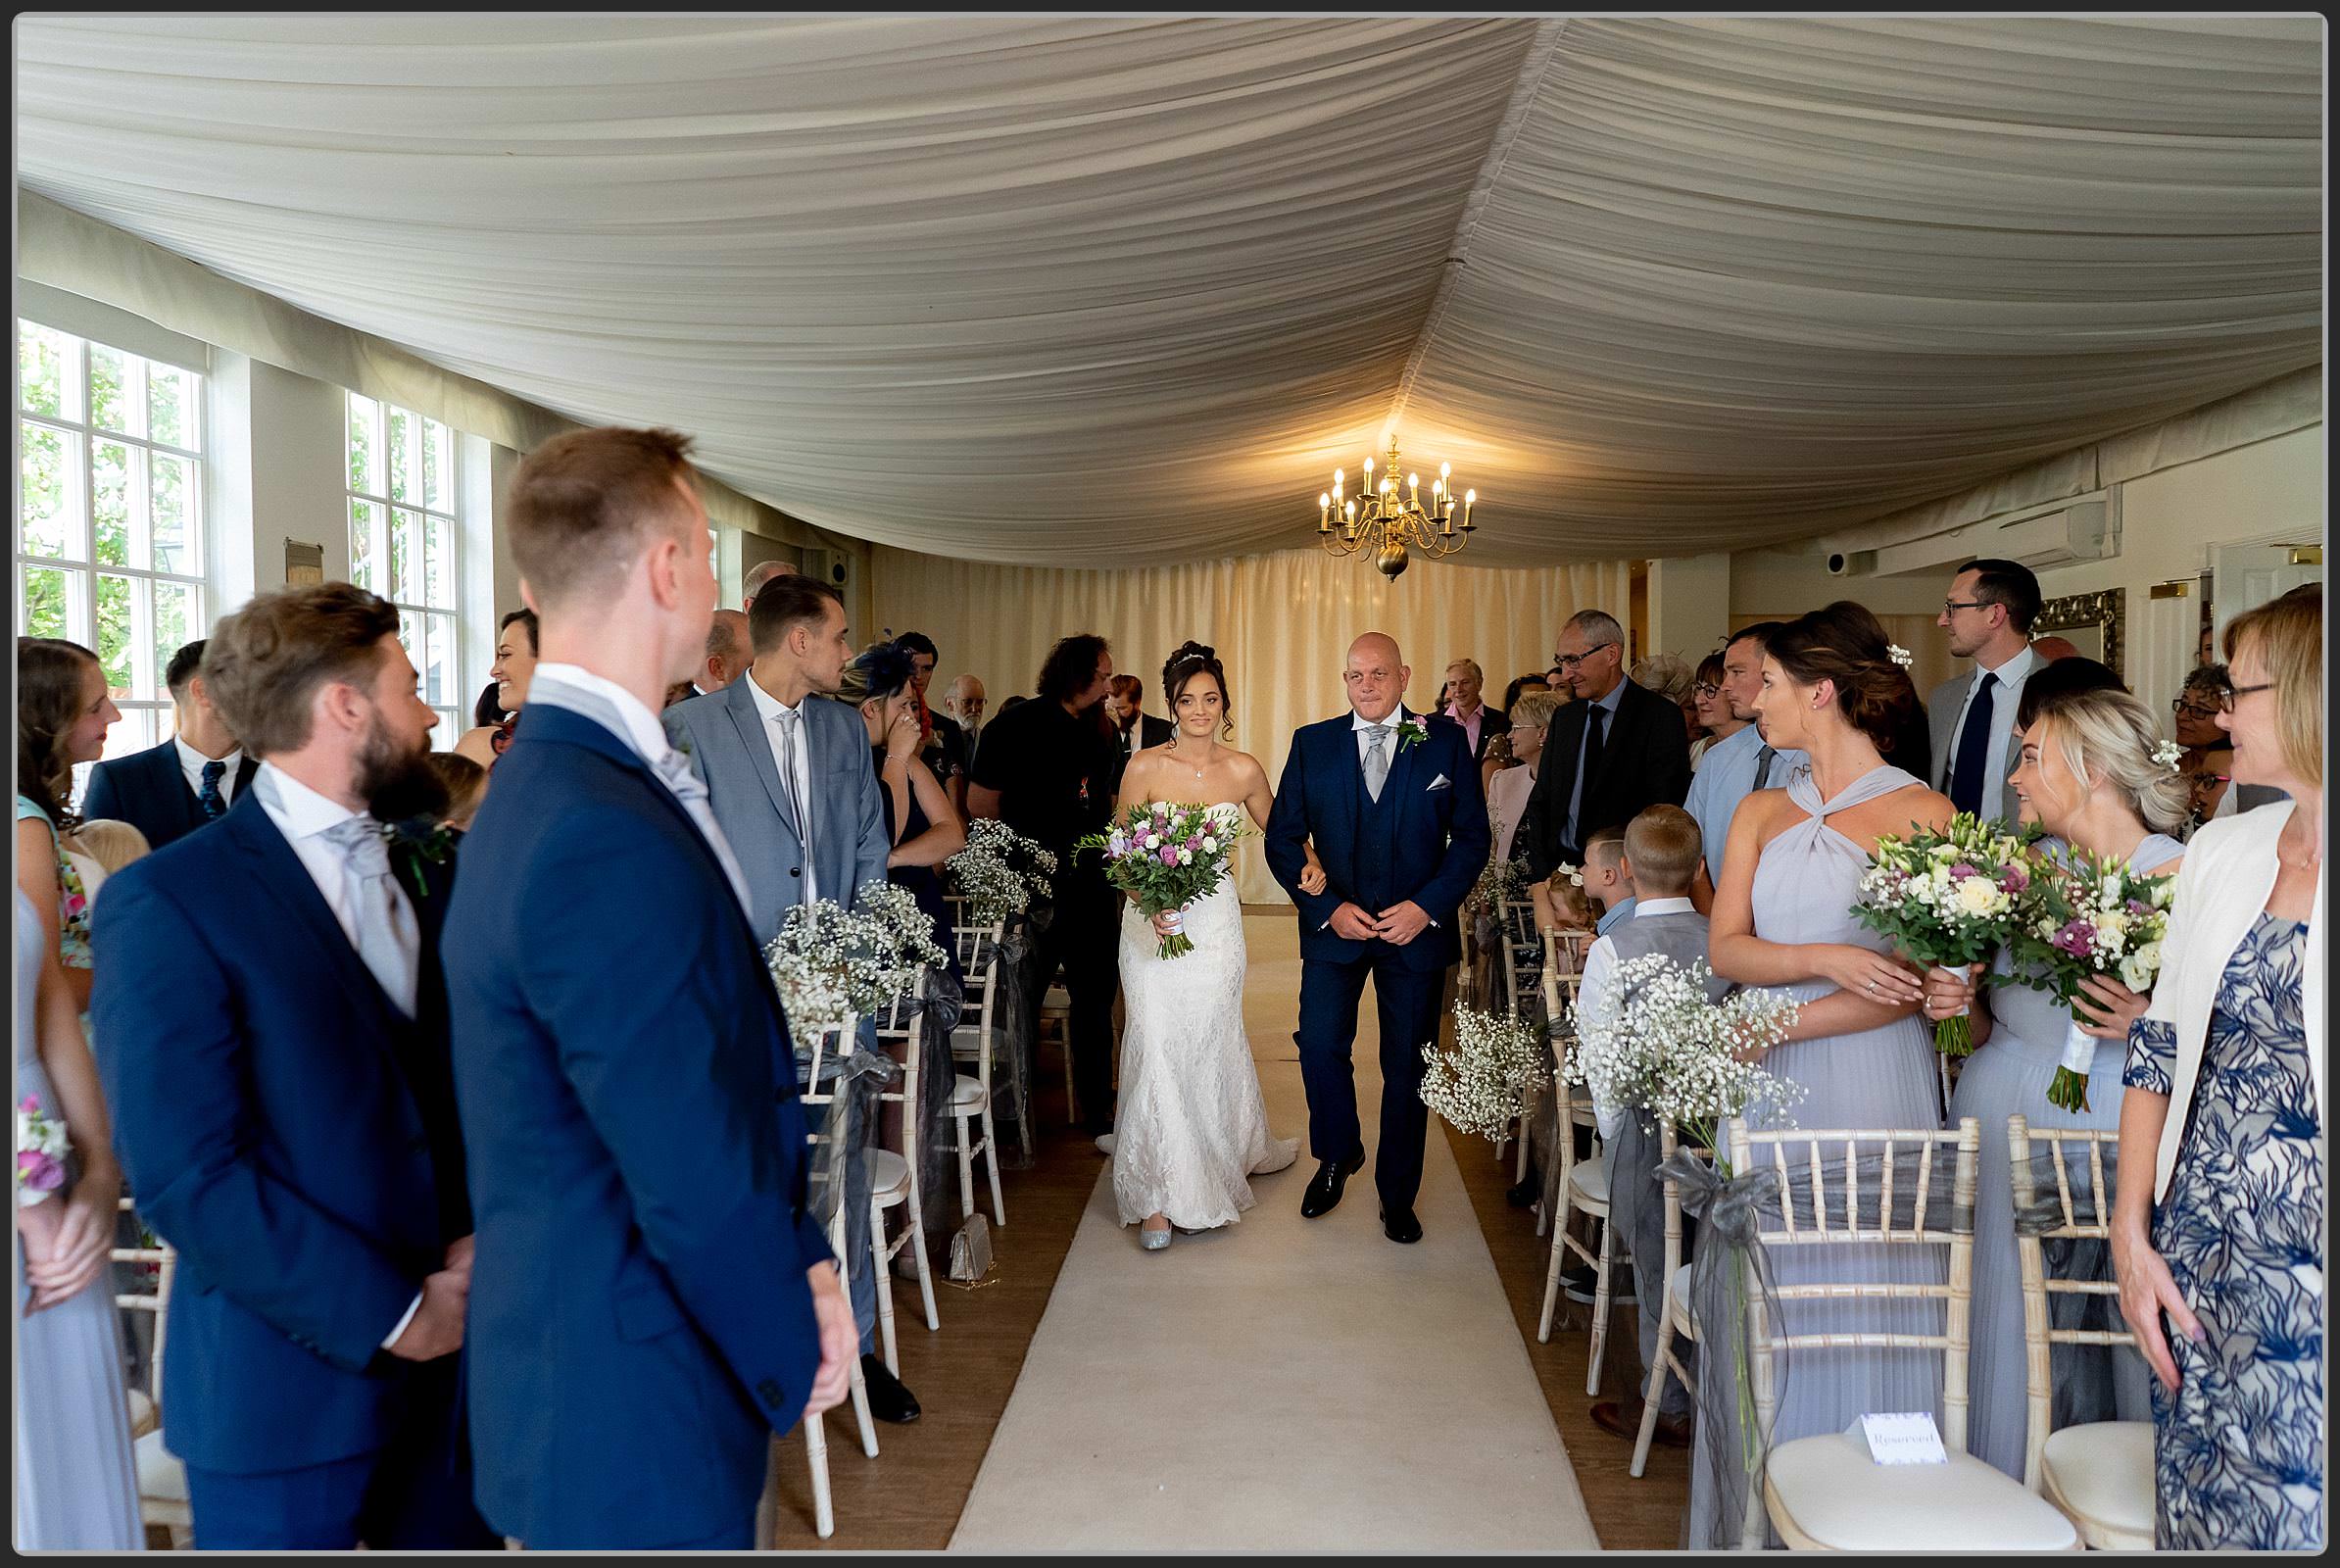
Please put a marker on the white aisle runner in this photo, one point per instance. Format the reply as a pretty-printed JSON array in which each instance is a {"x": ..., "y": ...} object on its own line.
[{"x": 1282, "y": 1384}]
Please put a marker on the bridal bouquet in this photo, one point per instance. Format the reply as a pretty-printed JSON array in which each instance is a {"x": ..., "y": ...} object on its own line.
[
  {"x": 41, "y": 1148},
  {"x": 1666, "y": 1049},
  {"x": 1168, "y": 855},
  {"x": 1483, "y": 1084},
  {"x": 2088, "y": 917},
  {"x": 831, "y": 964},
  {"x": 1001, "y": 872},
  {"x": 1949, "y": 899}
]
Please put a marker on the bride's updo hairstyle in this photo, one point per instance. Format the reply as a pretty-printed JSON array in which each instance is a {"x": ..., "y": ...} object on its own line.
[
  {"x": 1846, "y": 644},
  {"x": 1195, "y": 659}
]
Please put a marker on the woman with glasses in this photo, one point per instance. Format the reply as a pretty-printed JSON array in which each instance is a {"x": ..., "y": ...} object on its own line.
[
  {"x": 1507, "y": 791},
  {"x": 1712, "y": 708},
  {"x": 2220, "y": 1255},
  {"x": 2208, "y": 763}
]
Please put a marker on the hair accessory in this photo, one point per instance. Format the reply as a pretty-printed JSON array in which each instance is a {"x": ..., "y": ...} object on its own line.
[
  {"x": 2167, "y": 753},
  {"x": 1900, "y": 655}
]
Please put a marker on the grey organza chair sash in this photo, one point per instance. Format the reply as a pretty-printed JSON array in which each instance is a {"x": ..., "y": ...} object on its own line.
[
  {"x": 1743, "y": 1218},
  {"x": 941, "y": 1001},
  {"x": 1019, "y": 951},
  {"x": 2069, "y": 1192}
]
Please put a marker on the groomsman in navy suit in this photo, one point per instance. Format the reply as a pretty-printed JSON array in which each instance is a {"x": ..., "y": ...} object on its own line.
[
  {"x": 274, "y": 1030},
  {"x": 1391, "y": 800},
  {"x": 653, "y": 1299},
  {"x": 169, "y": 791}
]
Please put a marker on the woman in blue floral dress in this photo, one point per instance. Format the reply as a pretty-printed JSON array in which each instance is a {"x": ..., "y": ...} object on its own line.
[{"x": 2225, "y": 1098}]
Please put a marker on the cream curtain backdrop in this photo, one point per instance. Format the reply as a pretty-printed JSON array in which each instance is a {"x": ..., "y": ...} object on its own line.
[
  {"x": 1281, "y": 622},
  {"x": 1000, "y": 286}
]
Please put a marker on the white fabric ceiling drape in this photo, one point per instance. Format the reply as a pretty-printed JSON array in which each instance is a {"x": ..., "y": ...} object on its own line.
[
  {"x": 1068, "y": 290},
  {"x": 1281, "y": 624}
]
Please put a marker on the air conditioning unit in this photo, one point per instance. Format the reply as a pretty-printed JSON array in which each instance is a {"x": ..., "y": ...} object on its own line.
[{"x": 2083, "y": 531}]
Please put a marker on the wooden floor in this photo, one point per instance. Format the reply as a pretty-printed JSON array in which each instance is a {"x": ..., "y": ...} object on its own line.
[
  {"x": 910, "y": 1497},
  {"x": 1629, "y": 1515}
]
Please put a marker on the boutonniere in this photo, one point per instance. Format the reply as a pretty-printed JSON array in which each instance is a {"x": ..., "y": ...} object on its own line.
[
  {"x": 412, "y": 843},
  {"x": 1411, "y": 731}
]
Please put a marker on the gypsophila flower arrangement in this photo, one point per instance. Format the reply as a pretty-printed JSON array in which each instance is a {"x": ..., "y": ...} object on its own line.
[
  {"x": 1482, "y": 1085},
  {"x": 1001, "y": 872},
  {"x": 2082, "y": 916},
  {"x": 1947, "y": 898},
  {"x": 1169, "y": 855},
  {"x": 831, "y": 964},
  {"x": 1660, "y": 1046},
  {"x": 41, "y": 1148}
]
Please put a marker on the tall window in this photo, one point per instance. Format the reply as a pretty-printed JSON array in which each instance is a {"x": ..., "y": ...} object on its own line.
[
  {"x": 110, "y": 517},
  {"x": 403, "y": 535}
]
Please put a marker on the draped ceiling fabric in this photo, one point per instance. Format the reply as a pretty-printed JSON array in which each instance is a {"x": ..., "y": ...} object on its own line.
[
  {"x": 1088, "y": 291},
  {"x": 1282, "y": 624}
]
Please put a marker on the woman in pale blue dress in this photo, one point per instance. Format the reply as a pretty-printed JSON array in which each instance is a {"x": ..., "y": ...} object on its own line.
[
  {"x": 1791, "y": 874},
  {"x": 2090, "y": 778},
  {"x": 76, "y": 1487}
]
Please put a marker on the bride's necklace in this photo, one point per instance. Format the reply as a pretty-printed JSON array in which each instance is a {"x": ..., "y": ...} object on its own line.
[{"x": 1198, "y": 768}]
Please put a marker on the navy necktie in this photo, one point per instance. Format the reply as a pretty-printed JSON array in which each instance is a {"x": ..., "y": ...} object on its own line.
[
  {"x": 208, "y": 797},
  {"x": 1763, "y": 766},
  {"x": 1973, "y": 749}
]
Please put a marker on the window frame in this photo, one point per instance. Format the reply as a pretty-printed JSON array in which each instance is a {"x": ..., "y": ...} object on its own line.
[{"x": 435, "y": 621}]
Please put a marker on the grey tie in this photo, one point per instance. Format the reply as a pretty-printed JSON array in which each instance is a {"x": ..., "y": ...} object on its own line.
[
  {"x": 789, "y": 741},
  {"x": 1377, "y": 760},
  {"x": 388, "y": 938},
  {"x": 1763, "y": 766}
]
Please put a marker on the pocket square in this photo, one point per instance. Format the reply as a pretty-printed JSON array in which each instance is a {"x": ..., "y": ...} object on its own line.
[{"x": 1441, "y": 782}]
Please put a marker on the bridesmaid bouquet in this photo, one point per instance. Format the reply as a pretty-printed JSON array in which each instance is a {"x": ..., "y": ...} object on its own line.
[
  {"x": 1001, "y": 872},
  {"x": 41, "y": 1148},
  {"x": 1168, "y": 855},
  {"x": 831, "y": 964},
  {"x": 2086, "y": 917},
  {"x": 1671, "y": 1051},
  {"x": 1483, "y": 1084},
  {"x": 1947, "y": 898}
]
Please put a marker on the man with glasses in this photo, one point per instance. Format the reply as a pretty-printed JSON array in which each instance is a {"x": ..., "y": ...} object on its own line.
[
  {"x": 1613, "y": 750},
  {"x": 1988, "y": 615}
]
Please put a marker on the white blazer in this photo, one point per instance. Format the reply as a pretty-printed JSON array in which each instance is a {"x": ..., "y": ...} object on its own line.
[{"x": 2223, "y": 887}]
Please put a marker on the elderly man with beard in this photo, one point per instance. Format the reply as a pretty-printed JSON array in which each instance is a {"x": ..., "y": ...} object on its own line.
[{"x": 272, "y": 1026}]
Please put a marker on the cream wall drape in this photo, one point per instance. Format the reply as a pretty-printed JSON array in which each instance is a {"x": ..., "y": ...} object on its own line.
[{"x": 1281, "y": 622}]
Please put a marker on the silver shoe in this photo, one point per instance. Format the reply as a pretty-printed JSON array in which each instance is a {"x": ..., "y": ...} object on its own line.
[{"x": 1153, "y": 1240}]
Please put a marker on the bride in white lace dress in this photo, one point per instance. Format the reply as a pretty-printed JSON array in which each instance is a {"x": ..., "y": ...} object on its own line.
[{"x": 1193, "y": 1129}]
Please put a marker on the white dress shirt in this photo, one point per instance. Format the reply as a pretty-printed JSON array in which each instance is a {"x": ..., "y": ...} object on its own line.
[
  {"x": 192, "y": 763},
  {"x": 1596, "y": 991},
  {"x": 770, "y": 709},
  {"x": 303, "y": 817},
  {"x": 2005, "y": 697}
]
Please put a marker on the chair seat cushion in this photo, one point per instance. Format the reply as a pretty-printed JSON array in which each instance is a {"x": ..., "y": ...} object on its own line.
[
  {"x": 2103, "y": 1472},
  {"x": 967, "y": 1093},
  {"x": 888, "y": 1175},
  {"x": 1828, "y": 1489},
  {"x": 160, "y": 1477},
  {"x": 1588, "y": 1185}
]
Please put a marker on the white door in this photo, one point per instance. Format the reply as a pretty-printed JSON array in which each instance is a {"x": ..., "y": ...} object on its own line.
[{"x": 2245, "y": 577}]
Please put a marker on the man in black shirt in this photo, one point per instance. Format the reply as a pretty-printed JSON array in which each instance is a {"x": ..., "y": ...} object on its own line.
[{"x": 1045, "y": 768}]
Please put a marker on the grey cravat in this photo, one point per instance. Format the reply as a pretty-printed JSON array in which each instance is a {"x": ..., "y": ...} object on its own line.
[
  {"x": 790, "y": 721},
  {"x": 388, "y": 938},
  {"x": 1763, "y": 766},
  {"x": 1377, "y": 760}
]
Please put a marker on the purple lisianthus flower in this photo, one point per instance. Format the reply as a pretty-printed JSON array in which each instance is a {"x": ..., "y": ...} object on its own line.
[
  {"x": 2014, "y": 879},
  {"x": 38, "y": 1171},
  {"x": 1961, "y": 872},
  {"x": 2077, "y": 938},
  {"x": 1169, "y": 854},
  {"x": 1117, "y": 846},
  {"x": 29, "y": 1104},
  {"x": 2139, "y": 906}
]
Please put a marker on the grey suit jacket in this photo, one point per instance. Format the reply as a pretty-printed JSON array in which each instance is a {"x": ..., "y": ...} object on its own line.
[
  {"x": 1943, "y": 709},
  {"x": 725, "y": 736}
]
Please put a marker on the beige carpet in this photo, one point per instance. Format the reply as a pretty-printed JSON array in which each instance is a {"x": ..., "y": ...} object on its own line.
[{"x": 1282, "y": 1384}]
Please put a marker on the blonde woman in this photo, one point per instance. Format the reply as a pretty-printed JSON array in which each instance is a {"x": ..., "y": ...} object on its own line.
[
  {"x": 1507, "y": 790},
  {"x": 2224, "y": 1108},
  {"x": 2093, "y": 777}
]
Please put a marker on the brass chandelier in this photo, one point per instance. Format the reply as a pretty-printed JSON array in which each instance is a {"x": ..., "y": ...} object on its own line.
[{"x": 1392, "y": 527}]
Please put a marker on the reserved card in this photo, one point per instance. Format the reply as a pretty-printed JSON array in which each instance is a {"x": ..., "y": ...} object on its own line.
[{"x": 1908, "y": 1438}]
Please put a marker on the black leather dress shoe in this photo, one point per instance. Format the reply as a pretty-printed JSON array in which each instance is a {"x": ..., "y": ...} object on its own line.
[
  {"x": 1324, "y": 1187},
  {"x": 1399, "y": 1225},
  {"x": 889, "y": 1400}
]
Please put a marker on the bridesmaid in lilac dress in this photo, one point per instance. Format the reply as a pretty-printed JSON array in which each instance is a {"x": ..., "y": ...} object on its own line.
[
  {"x": 2122, "y": 803},
  {"x": 1791, "y": 873}
]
